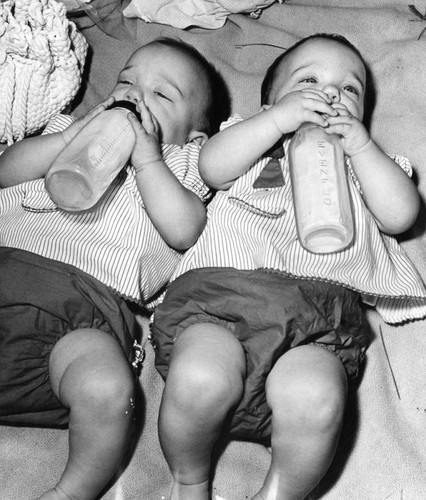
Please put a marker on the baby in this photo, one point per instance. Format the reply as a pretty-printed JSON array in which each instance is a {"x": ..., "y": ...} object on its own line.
[
  {"x": 256, "y": 336},
  {"x": 67, "y": 331}
]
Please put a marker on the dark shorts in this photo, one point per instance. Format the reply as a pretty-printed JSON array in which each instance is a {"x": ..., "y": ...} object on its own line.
[
  {"x": 269, "y": 313},
  {"x": 41, "y": 300}
]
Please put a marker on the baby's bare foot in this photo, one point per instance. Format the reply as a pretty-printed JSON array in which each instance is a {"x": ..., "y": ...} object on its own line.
[
  {"x": 54, "y": 494},
  {"x": 312, "y": 496},
  {"x": 198, "y": 491}
]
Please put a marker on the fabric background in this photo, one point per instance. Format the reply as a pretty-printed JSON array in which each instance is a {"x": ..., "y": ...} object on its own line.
[{"x": 383, "y": 448}]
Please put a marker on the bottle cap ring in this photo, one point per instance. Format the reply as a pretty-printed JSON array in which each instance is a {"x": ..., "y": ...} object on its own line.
[{"x": 130, "y": 106}]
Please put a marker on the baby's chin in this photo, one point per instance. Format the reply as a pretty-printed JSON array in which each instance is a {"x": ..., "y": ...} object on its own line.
[{"x": 177, "y": 139}]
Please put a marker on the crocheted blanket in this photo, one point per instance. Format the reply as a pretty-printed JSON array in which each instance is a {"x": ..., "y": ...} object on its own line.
[
  {"x": 382, "y": 454},
  {"x": 42, "y": 56}
]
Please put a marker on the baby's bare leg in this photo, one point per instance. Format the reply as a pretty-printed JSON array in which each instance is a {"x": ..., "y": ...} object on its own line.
[
  {"x": 205, "y": 381},
  {"x": 91, "y": 376},
  {"x": 306, "y": 391}
]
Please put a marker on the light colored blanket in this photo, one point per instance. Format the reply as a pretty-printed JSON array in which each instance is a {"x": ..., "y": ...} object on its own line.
[{"x": 382, "y": 455}]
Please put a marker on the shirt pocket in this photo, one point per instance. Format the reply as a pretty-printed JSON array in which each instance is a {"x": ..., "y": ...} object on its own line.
[
  {"x": 270, "y": 202},
  {"x": 36, "y": 199}
]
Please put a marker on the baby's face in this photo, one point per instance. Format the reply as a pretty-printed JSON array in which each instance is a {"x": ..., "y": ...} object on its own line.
[
  {"x": 171, "y": 86},
  {"x": 325, "y": 65}
]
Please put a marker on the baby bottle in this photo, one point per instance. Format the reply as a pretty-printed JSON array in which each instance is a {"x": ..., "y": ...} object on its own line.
[
  {"x": 322, "y": 204},
  {"x": 86, "y": 167}
]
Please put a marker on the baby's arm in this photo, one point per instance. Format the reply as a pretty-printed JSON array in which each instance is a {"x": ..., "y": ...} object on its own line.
[
  {"x": 176, "y": 212},
  {"x": 230, "y": 153},
  {"x": 31, "y": 158},
  {"x": 388, "y": 191}
]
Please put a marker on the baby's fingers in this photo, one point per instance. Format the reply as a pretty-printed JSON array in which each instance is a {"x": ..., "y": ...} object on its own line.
[
  {"x": 342, "y": 120},
  {"x": 108, "y": 101},
  {"x": 344, "y": 126},
  {"x": 97, "y": 109},
  {"x": 138, "y": 128},
  {"x": 339, "y": 119},
  {"x": 69, "y": 133},
  {"x": 317, "y": 118},
  {"x": 149, "y": 122},
  {"x": 136, "y": 124},
  {"x": 315, "y": 103},
  {"x": 341, "y": 109},
  {"x": 316, "y": 94},
  {"x": 101, "y": 107}
]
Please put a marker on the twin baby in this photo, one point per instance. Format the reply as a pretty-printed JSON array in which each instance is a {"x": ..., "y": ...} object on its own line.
[{"x": 256, "y": 337}]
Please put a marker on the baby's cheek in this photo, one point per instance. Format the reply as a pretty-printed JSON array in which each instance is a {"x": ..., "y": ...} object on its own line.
[
  {"x": 117, "y": 94},
  {"x": 356, "y": 110}
]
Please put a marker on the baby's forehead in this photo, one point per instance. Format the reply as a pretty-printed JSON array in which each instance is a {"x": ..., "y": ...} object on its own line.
[
  {"x": 171, "y": 60},
  {"x": 161, "y": 51},
  {"x": 319, "y": 50}
]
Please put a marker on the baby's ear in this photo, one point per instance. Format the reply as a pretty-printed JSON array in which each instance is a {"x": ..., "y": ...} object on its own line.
[{"x": 199, "y": 138}]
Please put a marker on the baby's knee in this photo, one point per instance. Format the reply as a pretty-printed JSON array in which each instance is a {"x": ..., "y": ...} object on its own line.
[
  {"x": 202, "y": 385},
  {"x": 108, "y": 396},
  {"x": 103, "y": 385},
  {"x": 110, "y": 384},
  {"x": 309, "y": 407},
  {"x": 314, "y": 402}
]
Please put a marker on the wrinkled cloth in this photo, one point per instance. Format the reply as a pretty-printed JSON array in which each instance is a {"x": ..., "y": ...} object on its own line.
[
  {"x": 269, "y": 313},
  {"x": 210, "y": 14},
  {"x": 42, "y": 300}
]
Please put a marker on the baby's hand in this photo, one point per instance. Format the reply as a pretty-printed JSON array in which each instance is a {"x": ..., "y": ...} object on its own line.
[
  {"x": 353, "y": 132},
  {"x": 69, "y": 133},
  {"x": 301, "y": 106},
  {"x": 147, "y": 148}
]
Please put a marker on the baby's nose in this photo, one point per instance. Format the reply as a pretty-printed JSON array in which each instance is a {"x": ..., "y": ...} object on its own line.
[
  {"x": 333, "y": 92},
  {"x": 133, "y": 95}
]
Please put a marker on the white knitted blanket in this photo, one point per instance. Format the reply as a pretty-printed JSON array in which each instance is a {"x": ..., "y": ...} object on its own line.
[{"x": 42, "y": 56}]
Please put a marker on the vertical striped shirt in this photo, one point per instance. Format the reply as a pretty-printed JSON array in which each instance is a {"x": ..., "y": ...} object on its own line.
[
  {"x": 115, "y": 242},
  {"x": 252, "y": 227}
]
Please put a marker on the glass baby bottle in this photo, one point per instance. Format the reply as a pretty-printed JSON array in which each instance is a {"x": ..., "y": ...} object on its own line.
[
  {"x": 321, "y": 196},
  {"x": 86, "y": 167}
]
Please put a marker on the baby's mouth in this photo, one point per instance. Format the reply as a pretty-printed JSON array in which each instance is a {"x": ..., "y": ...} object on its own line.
[{"x": 130, "y": 106}]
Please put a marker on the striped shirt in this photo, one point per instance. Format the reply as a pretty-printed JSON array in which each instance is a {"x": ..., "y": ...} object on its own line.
[
  {"x": 254, "y": 228},
  {"x": 115, "y": 242}
]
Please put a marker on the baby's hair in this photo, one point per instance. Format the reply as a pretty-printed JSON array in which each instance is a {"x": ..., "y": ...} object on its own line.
[
  {"x": 270, "y": 76},
  {"x": 217, "y": 99}
]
